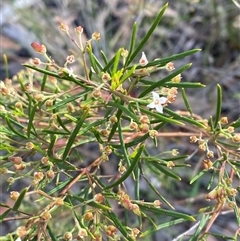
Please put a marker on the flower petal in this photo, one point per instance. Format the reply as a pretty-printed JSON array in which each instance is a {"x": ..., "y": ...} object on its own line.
[
  {"x": 159, "y": 108},
  {"x": 155, "y": 95},
  {"x": 162, "y": 100},
  {"x": 151, "y": 105}
]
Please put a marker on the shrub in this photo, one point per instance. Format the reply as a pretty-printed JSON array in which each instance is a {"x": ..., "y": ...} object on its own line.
[{"x": 115, "y": 112}]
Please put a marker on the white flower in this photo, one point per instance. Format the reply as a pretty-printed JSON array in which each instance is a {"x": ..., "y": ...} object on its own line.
[
  {"x": 143, "y": 61},
  {"x": 157, "y": 102},
  {"x": 70, "y": 73}
]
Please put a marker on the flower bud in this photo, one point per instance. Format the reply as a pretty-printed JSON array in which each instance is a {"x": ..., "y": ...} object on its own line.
[
  {"x": 153, "y": 133},
  {"x": 38, "y": 176},
  {"x": 68, "y": 236},
  {"x": 236, "y": 138},
  {"x": 121, "y": 169},
  {"x": 18, "y": 105},
  {"x": 36, "y": 61},
  {"x": 133, "y": 125},
  {"x": 157, "y": 204},
  {"x": 14, "y": 195},
  {"x": 59, "y": 201},
  {"x": 88, "y": 216},
  {"x": 45, "y": 160},
  {"x": 29, "y": 145},
  {"x": 113, "y": 119},
  {"x": 104, "y": 132},
  {"x": 224, "y": 120},
  {"x": 96, "y": 36},
  {"x": 144, "y": 128},
  {"x": 63, "y": 27},
  {"x": 143, "y": 60},
  {"x": 82, "y": 233},
  {"x": 105, "y": 77},
  {"x": 79, "y": 30},
  {"x": 50, "y": 174},
  {"x": 136, "y": 210},
  {"x": 177, "y": 78},
  {"x": 16, "y": 159},
  {"x": 98, "y": 198},
  {"x": 3, "y": 170},
  {"x": 21, "y": 231},
  {"x": 170, "y": 164},
  {"x": 70, "y": 59},
  {"x": 41, "y": 49},
  {"x": 144, "y": 119},
  {"x": 19, "y": 167},
  {"x": 46, "y": 215},
  {"x": 170, "y": 66}
]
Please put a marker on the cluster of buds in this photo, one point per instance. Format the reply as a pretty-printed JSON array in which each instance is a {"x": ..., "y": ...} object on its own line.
[
  {"x": 125, "y": 201},
  {"x": 171, "y": 93},
  {"x": 207, "y": 164},
  {"x": 217, "y": 193},
  {"x": 111, "y": 231}
]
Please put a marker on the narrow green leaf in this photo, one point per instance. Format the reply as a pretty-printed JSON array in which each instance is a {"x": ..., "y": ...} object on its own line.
[
  {"x": 116, "y": 61},
  {"x": 164, "y": 61},
  {"x": 74, "y": 134},
  {"x": 90, "y": 203},
  {"x": 104, "y": 58},
  {"x": 2, "y": 216},
  {"x": 31, "y": 114},
  {"x": 160, "y": 117},
  {"x": 128, "y": 74},
  {"x": 123, "y": 147},
  {"x": 132, "y": 44},
  {"x": 54, "y": 74},
  {"x": 62, "y": 124},
  {"x": 69, "y": 100},
  {"x": 120, "y": 106},
  {"x": 161, "y": 226},
  {"x": 164, "y": 212},
  {"x": 19, "y": 200},
  {"x": 8, "y": 121},
  {"x": 219, "y": 105},
  {"x": 157, "y": 192},
  {"x": 201, "y": 225},
  {"x": 165, "y": 171},
  {"x": 185, "y": 99},
  {"x": 184, "y": 118},
  {"x": 197, "y": 176},
  {"x": 171, "y": 84},
  {"x": 114, "y": 127},
  {"x": 93, "y": 62},
  {"x": 44, "y": 80},
  {"x": 119, "y": 225},
  {"x": 51, "y": 234},
  {"x": 134, "y": 162},
  {"x": 148, "y": 34},
  {"x": 53, "y": 139},
  {"x": 164, "y": 80}
]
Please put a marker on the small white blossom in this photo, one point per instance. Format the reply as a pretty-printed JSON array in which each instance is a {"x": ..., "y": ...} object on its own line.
[
  {"x": 143, "y": 61},
  {"x": 70, "y": 73},
  {"x": 157, "y": 102}
]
